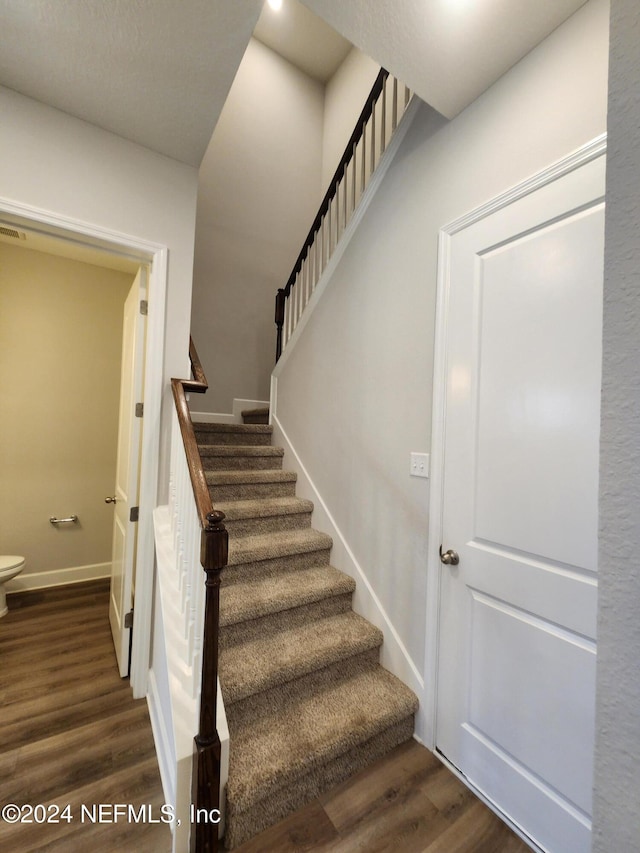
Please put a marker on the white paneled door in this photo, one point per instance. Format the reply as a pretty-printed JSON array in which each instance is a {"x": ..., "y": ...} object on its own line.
[
  {"x": 127, "y": 473},
  {"x": 517, "y": 644}
]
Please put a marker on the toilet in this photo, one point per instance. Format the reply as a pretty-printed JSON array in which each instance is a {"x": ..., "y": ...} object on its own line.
[{"x": 9, "y": 568}]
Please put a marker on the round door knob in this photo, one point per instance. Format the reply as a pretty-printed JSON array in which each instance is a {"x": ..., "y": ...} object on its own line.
[
  {"x": 110, "y": 500},
  {"x": 449, "y": 558}
]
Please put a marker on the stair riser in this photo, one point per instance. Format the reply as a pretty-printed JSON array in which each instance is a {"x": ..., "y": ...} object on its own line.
[
  {"x": 256, "y": 419},
  {"x": 275, "y": 694},
  {"x": 276, "y": 566},
  {"x": 268, "y": 524},
  {"x": 241, "y": 826},
  {"x": 250, "y": 491},
  {"x": 242, "y": 463},
  {"x": 266, "y": 626},
  {"x": 256, "y": 439}
]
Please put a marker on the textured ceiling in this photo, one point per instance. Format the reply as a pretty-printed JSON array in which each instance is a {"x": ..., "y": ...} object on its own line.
[
  {"x": 154, "y": 71},
  {"x": 157, "y": 72},
  {"x": 447, "y": 51}
]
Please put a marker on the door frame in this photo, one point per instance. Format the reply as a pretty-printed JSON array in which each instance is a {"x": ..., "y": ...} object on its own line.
[
  {"x": 155, "y": 257},
  {"x": 590, "y": 151}
]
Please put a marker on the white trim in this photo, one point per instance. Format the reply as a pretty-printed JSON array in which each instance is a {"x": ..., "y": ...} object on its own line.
[
  {"x": 156, "y": 255},
  {"x": 162, "y": 741},
  {"x": 58, "y": 577},
  {"x": 234, "y": 418},
  {"x": 149, "y": 473},
  {"x": 588, "y": 152},
  {"x": 394, "y": 655},
  {"x": 367, "y": 197},
  {"x": 591, "y": 151}
]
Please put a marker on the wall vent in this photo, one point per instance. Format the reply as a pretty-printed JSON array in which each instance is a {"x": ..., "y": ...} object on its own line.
[{"x": 6, "y": 231}]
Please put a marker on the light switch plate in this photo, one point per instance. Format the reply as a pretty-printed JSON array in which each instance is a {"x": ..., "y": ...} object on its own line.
[{"x": 419, "y": 465}]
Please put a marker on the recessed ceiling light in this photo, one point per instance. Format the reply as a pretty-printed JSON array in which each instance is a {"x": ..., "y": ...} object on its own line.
[{"x": 276, "y": 5}]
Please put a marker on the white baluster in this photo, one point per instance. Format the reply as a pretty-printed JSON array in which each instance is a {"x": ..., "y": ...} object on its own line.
[
  {"x": 373, "y": 140},
  {"x": 383, "y": 119},
  {"x": 353, "y": 175},
  {"x": 344, "y": 200},
  {"x": 364, "y": 158},
  {"x": 394, "y": 112}
]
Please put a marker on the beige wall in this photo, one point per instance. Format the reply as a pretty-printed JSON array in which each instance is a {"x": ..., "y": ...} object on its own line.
[{"x": 60, "y": 342}]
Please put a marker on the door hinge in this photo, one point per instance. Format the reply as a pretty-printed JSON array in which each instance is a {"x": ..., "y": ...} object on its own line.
[
  {"x": 139, "y": 410},
  {"x": 134, "y": 513},
  {"x": 144, "y": 307},
  {"x": 128, "y": 619}
]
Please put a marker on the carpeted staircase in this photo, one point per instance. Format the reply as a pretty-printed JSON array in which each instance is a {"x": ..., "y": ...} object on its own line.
[{"x": 307, "y": 701}]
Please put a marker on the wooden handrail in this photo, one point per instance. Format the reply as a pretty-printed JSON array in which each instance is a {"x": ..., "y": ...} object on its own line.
[{"x": 214, "y": 552}]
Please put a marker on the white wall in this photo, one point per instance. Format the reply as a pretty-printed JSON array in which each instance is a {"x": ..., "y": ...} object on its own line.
[
  {"x": 354, "y": 397},
  {"x": 617, "y": 766},
  {"x": 259, "y": 190},
  {"x": 344, "y": 98},
  {"x": 51, "y": 161}
]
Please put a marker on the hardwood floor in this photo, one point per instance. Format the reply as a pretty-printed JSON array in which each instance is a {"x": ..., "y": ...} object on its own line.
[
  {"x": 407, "y": 802},
  {"x": 70, "y": 733}
]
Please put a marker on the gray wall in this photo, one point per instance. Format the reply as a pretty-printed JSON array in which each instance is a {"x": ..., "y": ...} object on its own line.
[
  {"x": 258, "y": 192},
  {"x": 617, "y": 776},
  {"x": 355, "y": 394}
]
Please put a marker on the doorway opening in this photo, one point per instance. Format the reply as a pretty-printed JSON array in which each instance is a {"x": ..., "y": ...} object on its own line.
[{"x": 101, "y": 246}]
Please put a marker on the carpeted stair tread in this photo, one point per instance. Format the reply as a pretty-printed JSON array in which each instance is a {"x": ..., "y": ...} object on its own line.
[
  {"x": 270, "y": 752},
  {"x": 254, "y": 599},
  {"x": 229, "y": 456},
  {"x": 244, "y": 549},
  {"x": 247, "y": 434},
  {"x": 306, "y": 699},
  {"x": 265, "y": 515},
  {"x": 259, "y": 665},
  {"x": 272, "y": 475},
  {"x": 240, "y": 450},
  {"x": 241, "y": 826},
  {"x": 263, "y": 508},
  {"x": 256, "y": 416}
]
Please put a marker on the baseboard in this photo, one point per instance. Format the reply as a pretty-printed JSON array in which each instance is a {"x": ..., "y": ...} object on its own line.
[
  {"x": 58, "y": 577},
  {"x": 236, "y": 415},
  {"x": 394, "y": 655}
]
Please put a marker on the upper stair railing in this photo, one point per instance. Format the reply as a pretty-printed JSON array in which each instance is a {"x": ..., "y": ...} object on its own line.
[
  {"x": 382, "y": 112},
  {"x": 213, "y": 554}
]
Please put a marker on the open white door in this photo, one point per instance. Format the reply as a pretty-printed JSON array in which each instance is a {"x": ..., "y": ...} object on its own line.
[
  {"x": 517, "y": 648},
  {"x": 127, "y": 473}
]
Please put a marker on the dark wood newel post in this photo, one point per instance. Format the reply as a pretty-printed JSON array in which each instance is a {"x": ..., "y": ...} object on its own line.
[
  {"x": 214, "y": 551},
  {"x": 281, "y": 297}
]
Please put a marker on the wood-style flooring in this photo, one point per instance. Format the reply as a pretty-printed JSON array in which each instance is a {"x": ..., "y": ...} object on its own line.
[
  {"x": 70, "y": 733},
  {"x": 408, "y": 802}
]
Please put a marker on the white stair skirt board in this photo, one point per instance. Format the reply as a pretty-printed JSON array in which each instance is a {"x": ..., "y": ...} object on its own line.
[
  {"x": 394, "y": 655},
  {"x": 58, "y": 577},
  {"x": 175, "y": 726},
  {"x": 234, "y": 418}
]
